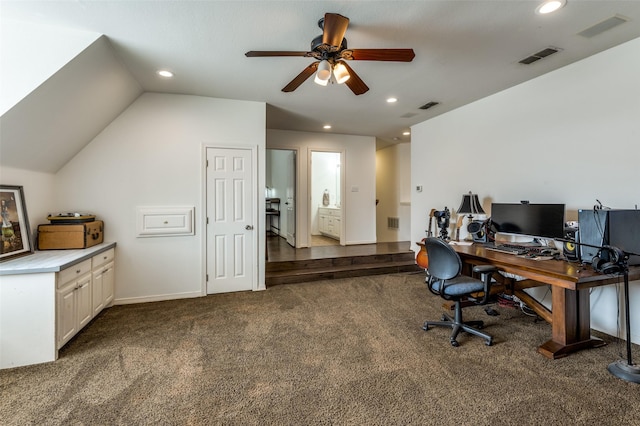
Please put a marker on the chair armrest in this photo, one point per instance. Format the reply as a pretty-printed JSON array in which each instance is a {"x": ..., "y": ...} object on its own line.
[
  {"x": 485, "y": 269},
  {"x": 485, "y": 272}
]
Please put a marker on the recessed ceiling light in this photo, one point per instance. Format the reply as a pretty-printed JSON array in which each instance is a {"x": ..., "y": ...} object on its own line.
[
  {"x": 406, "y": 133},
  {"x": 549, "y": 6},
  {"x": 165, "y": 73},
  {"x": 327, "y": 126},
  {"x": 392, "y": 100}
]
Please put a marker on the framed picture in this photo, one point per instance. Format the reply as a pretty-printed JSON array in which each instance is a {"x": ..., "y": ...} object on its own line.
[{"x": 16, "y": 236}]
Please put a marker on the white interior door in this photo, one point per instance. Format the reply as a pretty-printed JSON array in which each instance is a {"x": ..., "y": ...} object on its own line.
[
  {"x": 290, "y": 203},
  {"x": 230, "y": 229}
]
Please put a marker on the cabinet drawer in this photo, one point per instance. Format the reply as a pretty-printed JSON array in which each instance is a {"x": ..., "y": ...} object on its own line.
[
  {"x": 102, "y": 258},
  {"x": 73, "y": 272},
  {"x": 329, "y": 212}
]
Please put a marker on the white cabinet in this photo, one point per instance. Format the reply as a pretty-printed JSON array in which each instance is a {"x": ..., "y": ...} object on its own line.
[
  {"x": 46, "y": 298},
  {"x": 103, "y": 270},
  {"x": 330, "y": 222},
  {"x": 73, "y": 300},
  {"x": 84, "y": 290}
]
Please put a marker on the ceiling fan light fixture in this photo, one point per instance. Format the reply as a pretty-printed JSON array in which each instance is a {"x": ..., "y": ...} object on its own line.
[
  {"x": 549, "y": 6},
  {"x": 318, "y": 80},
  {"x": 341, "y": 73},
  {"x": 324, "y": 70}
]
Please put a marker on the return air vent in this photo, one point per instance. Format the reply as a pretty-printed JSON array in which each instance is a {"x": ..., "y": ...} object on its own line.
[
  {"x": 603, "y": 26},
  {"x": 429, "y": 105},
  {"x": 393, "y": 222},
  {"x": 540, "y": 55}
]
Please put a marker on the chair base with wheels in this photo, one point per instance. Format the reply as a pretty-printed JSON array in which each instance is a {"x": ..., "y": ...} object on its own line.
[{"x": 444, "y": 279}]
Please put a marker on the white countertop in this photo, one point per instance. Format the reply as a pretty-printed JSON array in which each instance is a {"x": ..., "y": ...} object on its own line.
[{"x": 50, "y": 260}]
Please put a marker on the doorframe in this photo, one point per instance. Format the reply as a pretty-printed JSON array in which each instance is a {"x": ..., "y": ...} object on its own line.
[
  {"x": 257, "y": 212},
  {"x": 296, "y": 171},
  {"x": 343, "y": 197}
]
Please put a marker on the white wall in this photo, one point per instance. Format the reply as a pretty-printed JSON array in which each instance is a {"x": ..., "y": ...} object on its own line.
[
  {"x": 571, "y": 136},
  {"x": 393, "y": 189},
  {"x": 152, "y": 155},
  {"x": 358, "y": 200}
]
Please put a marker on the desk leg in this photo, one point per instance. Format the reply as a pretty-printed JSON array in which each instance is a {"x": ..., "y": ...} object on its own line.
[{"x": 571, "y": 324}]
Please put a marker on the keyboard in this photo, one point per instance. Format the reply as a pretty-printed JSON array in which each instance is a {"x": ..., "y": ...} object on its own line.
[
  {"x": 522, "y": 250},
  {"x": 510, "y": 249}
]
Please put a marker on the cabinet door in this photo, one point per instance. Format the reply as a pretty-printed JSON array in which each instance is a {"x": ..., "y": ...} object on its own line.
[
  {"x": 322, "y": 223},
  {"x": 97, "y": 295},
  {"x": 108, "y": 284},
  {"x": 66, "y": 314},
  {"x": 83, "y": 296}
]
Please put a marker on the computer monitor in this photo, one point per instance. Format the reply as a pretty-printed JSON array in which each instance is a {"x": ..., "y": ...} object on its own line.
[{"x": 534, "y": 220}]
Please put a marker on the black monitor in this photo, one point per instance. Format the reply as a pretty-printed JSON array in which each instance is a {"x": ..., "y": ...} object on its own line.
[
  {"x": 618, "y": 228},
  {"x": 534, "y": 220}
]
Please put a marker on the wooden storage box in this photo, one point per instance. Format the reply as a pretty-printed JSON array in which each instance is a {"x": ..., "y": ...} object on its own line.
[{"x": 78, "y": 236}]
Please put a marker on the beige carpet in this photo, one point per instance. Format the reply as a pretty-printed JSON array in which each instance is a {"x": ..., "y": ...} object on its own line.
[{"x": 343, "y": 352}]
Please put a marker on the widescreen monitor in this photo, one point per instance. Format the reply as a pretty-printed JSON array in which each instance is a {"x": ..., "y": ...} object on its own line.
[{"x": 534, "y": 220}]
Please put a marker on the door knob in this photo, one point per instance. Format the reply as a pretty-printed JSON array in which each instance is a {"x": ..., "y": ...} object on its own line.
[{"x": 248, "y": 227}]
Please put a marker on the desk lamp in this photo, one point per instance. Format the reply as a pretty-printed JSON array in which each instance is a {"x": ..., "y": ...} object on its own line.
[{"x": 470, "y": 205}]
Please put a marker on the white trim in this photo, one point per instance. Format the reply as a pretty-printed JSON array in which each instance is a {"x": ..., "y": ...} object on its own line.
[{"x": 157, "y": 298}]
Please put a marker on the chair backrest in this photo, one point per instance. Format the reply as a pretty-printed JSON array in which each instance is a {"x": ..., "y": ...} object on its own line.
[{"x": 444, "y": 262}]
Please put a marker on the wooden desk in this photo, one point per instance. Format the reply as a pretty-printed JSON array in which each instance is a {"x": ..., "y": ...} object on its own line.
[{"x": 570, "y": 317}]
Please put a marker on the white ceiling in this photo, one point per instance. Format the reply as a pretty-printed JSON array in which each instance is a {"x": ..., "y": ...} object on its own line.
[{"x": 465, "y": 50}]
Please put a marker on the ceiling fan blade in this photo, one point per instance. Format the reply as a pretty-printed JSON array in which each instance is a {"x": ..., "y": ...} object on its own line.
[
  {"x": 398, "y": 55},
  {"x": 263, "y": 53},
  {"x": 355, "y": 83},
  {"x": 300, "y": 78},
  {"x": 334, "y": 28}
]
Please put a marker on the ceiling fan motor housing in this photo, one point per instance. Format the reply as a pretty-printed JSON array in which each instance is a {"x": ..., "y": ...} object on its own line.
[{"x": 318, "y": 46}]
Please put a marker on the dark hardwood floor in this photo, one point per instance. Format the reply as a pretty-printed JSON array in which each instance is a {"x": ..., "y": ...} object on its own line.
[{"x": 279, "y": 250}]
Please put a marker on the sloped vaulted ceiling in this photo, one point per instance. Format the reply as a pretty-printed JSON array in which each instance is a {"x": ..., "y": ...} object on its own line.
[{"x": 56, "y": 120}]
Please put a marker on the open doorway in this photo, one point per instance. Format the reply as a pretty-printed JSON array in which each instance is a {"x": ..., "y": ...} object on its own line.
[
  {"x": 281, "y": 191},
  {"x": 325, "y": 199}
]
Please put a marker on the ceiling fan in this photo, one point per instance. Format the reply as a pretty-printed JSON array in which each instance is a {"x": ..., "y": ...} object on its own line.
[{"x": 331, "y": 53}]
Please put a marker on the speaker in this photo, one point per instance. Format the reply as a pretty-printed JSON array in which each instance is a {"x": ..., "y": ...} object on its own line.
[
  {"x": 570, "y": 248},
  {"x": 481, "y": 231}
]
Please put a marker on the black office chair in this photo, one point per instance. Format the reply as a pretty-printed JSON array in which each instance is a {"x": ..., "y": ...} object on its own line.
[{"x": 444, "y": 279}]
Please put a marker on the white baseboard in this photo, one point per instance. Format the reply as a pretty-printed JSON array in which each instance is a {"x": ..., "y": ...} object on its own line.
[
  {"x": 353, "y": 243},
  {"x": 157, "y": 298}
]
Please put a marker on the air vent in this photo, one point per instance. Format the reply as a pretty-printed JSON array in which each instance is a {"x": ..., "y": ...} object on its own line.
[
  {"x": 408, "y": 115},
  {"x": 540, "y": 55},
  {"x": 603, "y": 26},
  {"x": 429, "y": 105},
  {"x": 393, "y": 222}
]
